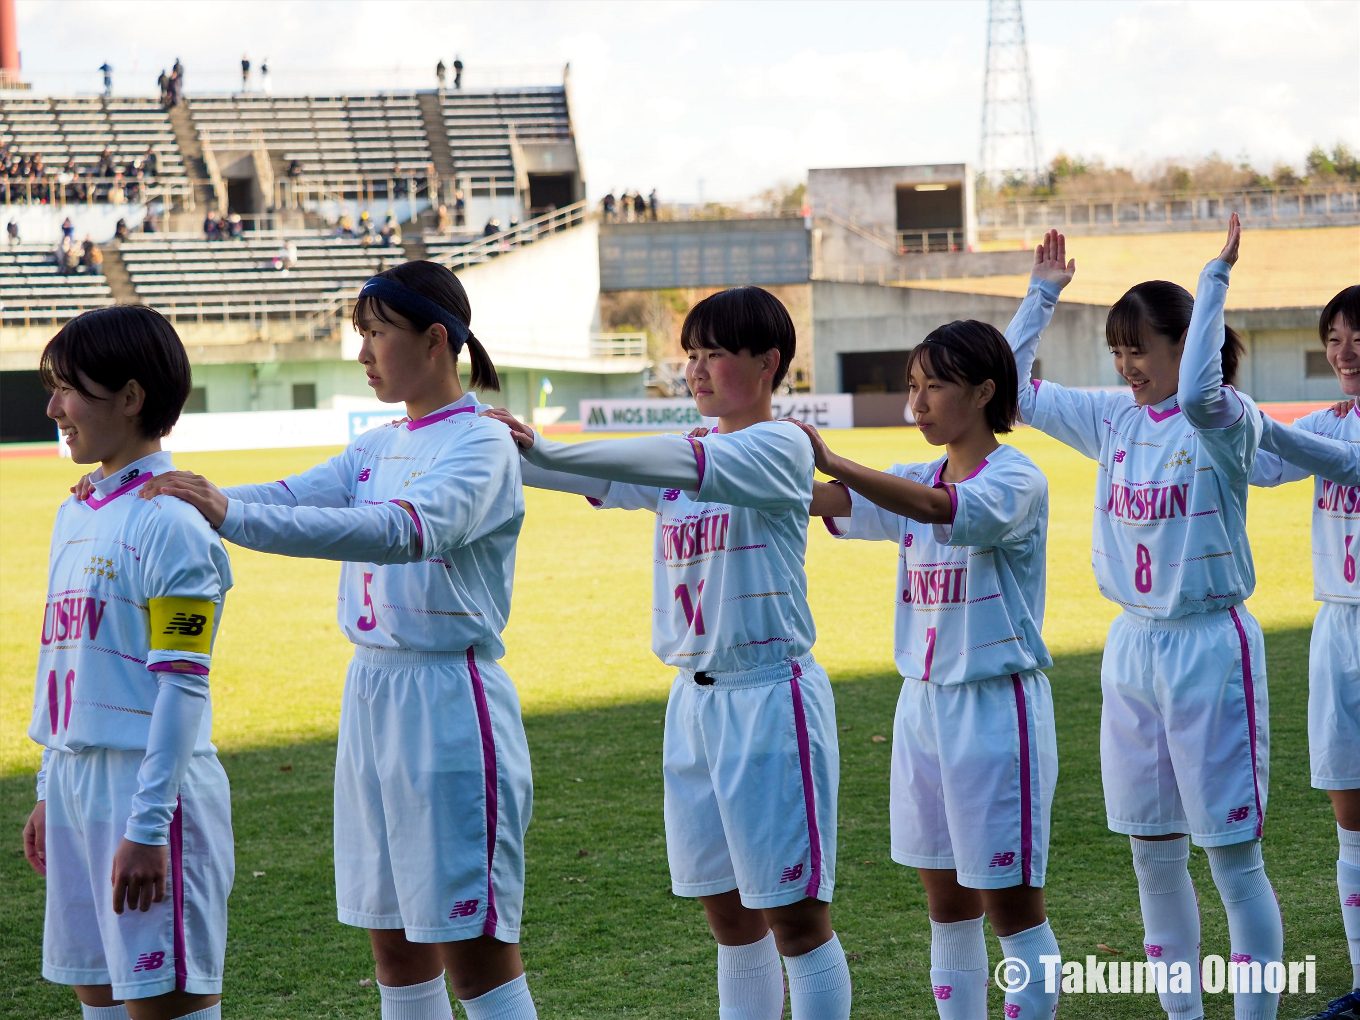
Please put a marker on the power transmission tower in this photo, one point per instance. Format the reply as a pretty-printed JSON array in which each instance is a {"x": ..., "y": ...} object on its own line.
[{"x": 1010, "y": 133}]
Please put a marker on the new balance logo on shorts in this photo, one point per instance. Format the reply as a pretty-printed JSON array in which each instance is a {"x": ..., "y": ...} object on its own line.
[
  {"x": 187, "y": 624},
  {"x": 792, "y": 874},
  {"x": 1151, "y": 950},
  {"x": 1011, "y": 1009},
  {"x": 464, "y": 908},
  {"x": 1353, "y": 900},
  {"x": 1239, "y": 814},
  {"x": 149, "y": 961},
  {"x": 1003, "y": 860},
  {"x": 942, "y": 991}
]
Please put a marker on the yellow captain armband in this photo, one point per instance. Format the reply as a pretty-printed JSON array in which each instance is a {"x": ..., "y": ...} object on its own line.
[{"x": 182, "y": 625}]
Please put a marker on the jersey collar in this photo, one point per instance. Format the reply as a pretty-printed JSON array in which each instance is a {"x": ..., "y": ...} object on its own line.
[
  {"x": 106, "y": 490},
  {"x": 1165, "y": 409},
  {"x": 466, "y": 404}
]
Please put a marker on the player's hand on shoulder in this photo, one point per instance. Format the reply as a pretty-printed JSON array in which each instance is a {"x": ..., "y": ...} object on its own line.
[
  {"x": 1230, "y": 249},
  {"x": 138, "y": 875},
  {"x": 82, "y": 489},
  {"x": 1343, "y": 407},
  {"x": 35, "y": 838},
  {"x": 521, "y": 433},
  {"x": 821, "y": 453},
  {"x": 698, "y": 432},
  {"x": 197, "y": 491},
  {"x": 1050, "y": 260}
]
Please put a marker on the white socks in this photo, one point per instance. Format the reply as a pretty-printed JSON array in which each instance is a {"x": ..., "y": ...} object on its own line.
[
  {"x": 1348, "y": 882},
  {"x": 213, "y": 1012},
  {"x": 1170, "y": 916},
  {"x": 819, "y": 983},
  {"x": 118, "y": 1012},
  {"x": 510, "y": 1001},
  {"x": 750, "y": 981},
  {"x": 1031, "y": 1002},
  {"x": 428, "y": 1000},
  {"x": 1254, "y": 923},
  {"x": 958, "y": 969}
]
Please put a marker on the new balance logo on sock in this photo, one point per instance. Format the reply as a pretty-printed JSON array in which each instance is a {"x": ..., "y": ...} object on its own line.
[
  {"x": 792, "y": 874},
  {"x": 1239, "y": 814},
  {"x": 1003, "y": 860},
  {"x": 1011, "y": 1009},
  {"x": 149, "y": 961},
  {"x": 1240, "y": 957},
  {"x": 1353, "y": 900},
  {"x": 1152, "y": 950},
  {"x": 942, "y": 991},
  {"x": 464, "y": 908}
]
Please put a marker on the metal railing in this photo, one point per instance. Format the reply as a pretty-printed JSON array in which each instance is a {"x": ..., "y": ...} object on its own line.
[
  {"x": 297, "y": 192},
  {"x": 618, "y": 345},
  {"x": 494, "y": 245},
  {"x": 27, "y": 313},
  {"x": 51, "y": 190},
  {"x": 1341, "y": 202},
  {"x": 921, "y": 242}
]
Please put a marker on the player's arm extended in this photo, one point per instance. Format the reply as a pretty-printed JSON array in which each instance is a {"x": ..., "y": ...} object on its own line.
[
  {"x": 1201, "y": 395},
  {"x": 1050, "y": 274},
  {"x": 897, "y": 495},
  {"x": 560, "y": 481},
  {"x": 666, "y": 461},
  {"x": 1305, "y": 453}
]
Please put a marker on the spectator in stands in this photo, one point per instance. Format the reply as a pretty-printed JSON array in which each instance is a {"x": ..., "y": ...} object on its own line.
[
  {"x": 13, "y": 231},
  {"x": 245, "y": 74},
  {"x": 150, "y": 161},
  {"x": 265, "y": 87},
  {"x": 639, "y": 207},
  {"x": 107, "y": 68},
  {"x": 148, "y": 223},
  {"x": 492, "y": 228},
  {"x": 653, "y": 204},
  {"x": 391, "y": 231},
  {"x": 459, "y": 208},
  {"x": 117, "y": 190},
  {"x": 443, "y": 221},
  {"x": 176, "y": 83},
  {"x": 439, "y": 72},
  {"x": 295, "y": 168},
  {"x": 91, "y": 258},
  {"x": 236, "y": 227},
  {"x": 286, "y": 257},
  {"x": 607, "y": 203},
  {"x": 212, "y": 229},
  {"x": 457, "y": 73},
  {"x": 163, "y": 83},
  {"x": 120, "y": 229},
  {"x": 400, "y": 185},
  {"x": 366, "y": 234},
  {"x": 106, "y": 167},
  {"x": 68, "y": 229},
  {"x": 67, "y": 256},
  {"x": 346, "y": 226}
]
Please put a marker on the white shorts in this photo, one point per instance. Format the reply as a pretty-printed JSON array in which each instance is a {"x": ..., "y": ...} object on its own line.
[
  {"x": 180, "y": 943},
  {"x": 751, "y": 768},
  {"x": 432, "y": 796},
  {"x": 973, "y": 771},
  {"x": 1185, "y": 727},
  {"x": 1334, "y": 697}
]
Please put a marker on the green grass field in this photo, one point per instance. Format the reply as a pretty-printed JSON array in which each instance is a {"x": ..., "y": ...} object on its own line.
[{"x": 603, "y": 936}]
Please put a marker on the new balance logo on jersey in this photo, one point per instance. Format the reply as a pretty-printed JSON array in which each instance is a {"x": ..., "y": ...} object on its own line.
[
  {"x": 149, "y": 961},
  {"x": 689, "y": 538},
  {"x": 1151, "y": 950},
  {"x": 1119, "y": 456},
  {"x": 1003, "y": 860},
  {"x": 186, "y": 624},
  {"x": 1353, "y": 900},
  {"x": 942, "y": 991},
  {"x": 464, "y": 908},
  {"x": 365, "y": 474},
  {"x": 129, "y": 476},
  {"x": 1239, "y": 814},
  {"x": 1154, "y": 503},
  {"x": 70, "y": 619},
  {"x": 1342, "y": 498},
  {"x": 671, "y": 495},
  {"x": 792, "y": 874},
  {"x": 1011, "y": 1009},
  {"x": 936, "y": 587}
]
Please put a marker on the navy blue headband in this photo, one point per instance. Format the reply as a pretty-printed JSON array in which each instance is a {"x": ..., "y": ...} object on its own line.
[{"x": 403, "y": 299}]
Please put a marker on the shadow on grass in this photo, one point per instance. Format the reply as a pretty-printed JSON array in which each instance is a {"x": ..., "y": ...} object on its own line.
[{"x": 603, "y": 935}]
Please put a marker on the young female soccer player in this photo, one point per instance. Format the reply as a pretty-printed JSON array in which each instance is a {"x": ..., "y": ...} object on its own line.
[
  {"x": 1184, "y": 726},
  {"x": 1334, "y": 655},
  {"x": 130, "y": 786},
  {"x": 974, "y": 753},
  {"x": 432, "y": 783},
  {"x": 750, "y": 758}
]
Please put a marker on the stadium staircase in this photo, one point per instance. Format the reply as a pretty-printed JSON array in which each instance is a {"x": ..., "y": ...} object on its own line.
[
  {"x": 432, "y": 115},
  {"x": 186, "y": 137},
  {"x": 116, "y": 276}
]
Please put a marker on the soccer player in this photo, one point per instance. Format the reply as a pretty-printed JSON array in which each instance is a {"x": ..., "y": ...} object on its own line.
[
  {"x": 975, "y": 759},
  {"x": 432, "y": 783},
  {"x": 750, "y": 758},
  {"x": 1184, "y": 726},
  {"x": 130, "y": 790},
  {"x": 1334, "y": 654}
]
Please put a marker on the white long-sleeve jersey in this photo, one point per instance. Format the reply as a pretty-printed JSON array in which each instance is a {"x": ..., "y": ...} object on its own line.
[
  {"x": 1170, "y": 536},
  {"x": 970, "y": 594},
  {"x": 439, "y": 580},
  {"x": 1293, "y": 454},
  {"x": 134, "y": 585},
  {"x": 729, "y": 588}
]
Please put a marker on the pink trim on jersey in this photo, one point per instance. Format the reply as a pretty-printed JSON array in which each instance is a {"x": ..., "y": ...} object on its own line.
[
  {"x": 700, "y": 460},
  {"x": 1026, "y": 788},
  {"x": 94, "y": 502},
  {"x": 420, "y": 532},
  {"x": 596, "y": 503},
  {"x": 830, "y": 522},
  {"x": 805, "y": 764},
  {"x": 285, "y": 485},
  {"x": 177, "y": 893},
  {"x": 1249, "y": 693},
  {"x": 438, "y": 416},
  {"x": 179, "y": 666},
  {"x": 1160, "y": 416},
  {"x": 1035, "y": 383},
  {"x": 492, "y": 793}
]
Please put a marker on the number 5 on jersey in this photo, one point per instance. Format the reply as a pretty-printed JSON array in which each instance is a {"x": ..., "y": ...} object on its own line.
[{"x": 370, "y": 618}]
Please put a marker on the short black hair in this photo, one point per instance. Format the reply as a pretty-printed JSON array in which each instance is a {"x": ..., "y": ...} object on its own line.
[
  {"x": 1345, "y": 304},
  {"x": 111, "y": 346},
  {"x": 969, "y": 352},
  {"x": 742, "y": 319},
  {"x": 1158, "y": 306}
]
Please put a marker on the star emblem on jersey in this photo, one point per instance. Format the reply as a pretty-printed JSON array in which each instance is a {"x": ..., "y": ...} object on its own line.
[
  {"x": 1180, "y": 459},
  {"x": 100, "y": 567},
  {"x": 414, "y": 476}
]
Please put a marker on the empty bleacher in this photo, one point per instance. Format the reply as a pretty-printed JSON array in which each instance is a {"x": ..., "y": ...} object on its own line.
[
  {"x": 330, "y": 136},
  {"x": 221, "y": 278},
  {"x": 83, "y": 128},
  {"x": 478, "y": 126},
  {"x": 32, "y": 289}
]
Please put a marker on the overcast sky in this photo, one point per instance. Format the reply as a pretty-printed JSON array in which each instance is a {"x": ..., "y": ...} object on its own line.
[{"x": 743, "y": 96}]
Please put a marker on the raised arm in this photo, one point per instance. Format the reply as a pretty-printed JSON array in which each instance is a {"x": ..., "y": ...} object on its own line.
[
  {"x": 1206, "y": 402},
  {"x": 1050, "y": 274}
]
